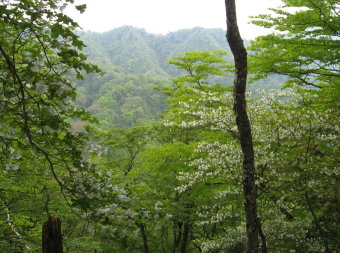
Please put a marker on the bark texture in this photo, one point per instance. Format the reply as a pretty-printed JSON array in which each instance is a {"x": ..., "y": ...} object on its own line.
[
  {"x": 52, "y": 240},
  {"x": 243, "y": 125}
]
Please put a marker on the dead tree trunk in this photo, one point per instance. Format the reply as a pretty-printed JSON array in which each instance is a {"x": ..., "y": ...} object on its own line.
[
  {"x": 243, "y": 125},
  {"x": 52, "y": 240}
]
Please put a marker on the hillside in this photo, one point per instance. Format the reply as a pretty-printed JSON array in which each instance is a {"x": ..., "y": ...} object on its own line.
[
  {"x": 134, "y": 51},
  {"x": 134, "y": 62}
]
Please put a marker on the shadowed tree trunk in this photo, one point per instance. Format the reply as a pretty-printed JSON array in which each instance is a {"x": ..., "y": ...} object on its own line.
[
  {"x": 185, "y": 238},
  {"x": 177, "y": 230},
  {"x": 52, "y": 240},
  {"x": 145, "y": 238},
  {"x": 243, "y": 125}
]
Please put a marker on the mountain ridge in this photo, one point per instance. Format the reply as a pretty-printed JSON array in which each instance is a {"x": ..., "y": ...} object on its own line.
[
  {"x": 134, "y": 51},
  {"x": 133, "y": 62}
]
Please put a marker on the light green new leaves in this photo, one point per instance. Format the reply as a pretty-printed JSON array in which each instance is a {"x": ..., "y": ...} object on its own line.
[
  {"x": 38, "y": 146},
  {"x": 199, "y": 65},
  {"x": 305, "y": 47},
  {"x": 39, "y": 53}
]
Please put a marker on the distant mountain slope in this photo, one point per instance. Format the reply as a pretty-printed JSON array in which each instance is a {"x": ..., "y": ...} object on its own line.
[
  {"x": 133, "y": 62},
  {"x": 195, "y": 39},
  {"x": 134, "y": 51}
]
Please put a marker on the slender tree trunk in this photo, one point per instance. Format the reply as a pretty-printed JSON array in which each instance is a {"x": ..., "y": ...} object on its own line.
[
  {"x": 243, "y": 125},
  {"x": 145, "y": 238},
  {"x": 177, "y": 239},
  {"x": 52, "y": 240},
  {"x": 185, "y": 238},
  {"x": 263, "y": 239},
  {"x": 174, "y": 239},
  {"x": 317, "y": 223}
]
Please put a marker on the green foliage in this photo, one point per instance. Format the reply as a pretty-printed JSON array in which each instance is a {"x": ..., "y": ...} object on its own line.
[
  {"x": 305, "y": 47},
  {"x": 199, "y": 66},
  {"x": 121, "y": 100},
  {"x": 40, "y": 153},
  {"x": 174, "y": 185},
  {"x": 134, "y": 62},
  {"x": 38, "y": 49}
]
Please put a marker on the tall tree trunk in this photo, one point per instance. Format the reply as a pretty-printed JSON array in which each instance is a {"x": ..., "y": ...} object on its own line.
[
  {"x": 243, "y": 125},
  {"x": 52, "y": 240}
]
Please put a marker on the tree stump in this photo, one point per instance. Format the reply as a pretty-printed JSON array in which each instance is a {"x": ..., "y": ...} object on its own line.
[{"x": 52, "y": 240}]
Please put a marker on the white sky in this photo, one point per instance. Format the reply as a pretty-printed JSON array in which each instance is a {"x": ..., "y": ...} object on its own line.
[{"x": 163, "y": 16}]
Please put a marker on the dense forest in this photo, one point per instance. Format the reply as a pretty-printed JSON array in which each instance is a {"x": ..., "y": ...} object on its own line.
[{"x": 127, "y": 141}]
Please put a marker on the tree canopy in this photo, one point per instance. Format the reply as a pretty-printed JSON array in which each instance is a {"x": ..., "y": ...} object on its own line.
[
  {"x": 304, "y": 46},
  {"x": 171, "y": 182}
]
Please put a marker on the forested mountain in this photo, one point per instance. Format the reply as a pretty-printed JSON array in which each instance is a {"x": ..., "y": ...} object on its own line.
[
  {"x": 133, "y": 63},
  {"x": 179, "y": 183},
  {"x": 134, "y": 51}
]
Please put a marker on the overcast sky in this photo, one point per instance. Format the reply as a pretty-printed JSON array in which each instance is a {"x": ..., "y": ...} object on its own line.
[{"x": 163, "y": 16}]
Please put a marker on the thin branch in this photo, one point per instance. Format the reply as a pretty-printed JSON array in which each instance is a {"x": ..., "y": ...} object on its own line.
[
  {"x": 26, "y": 127},
  {"x": 11, "y": 225}
]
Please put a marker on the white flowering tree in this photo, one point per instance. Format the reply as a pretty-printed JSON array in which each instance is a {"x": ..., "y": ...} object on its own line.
[
  {"x": 296, "y": 151},
  {"x": 304, "y": 47},
  {"x": 296, "y": 170}
]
